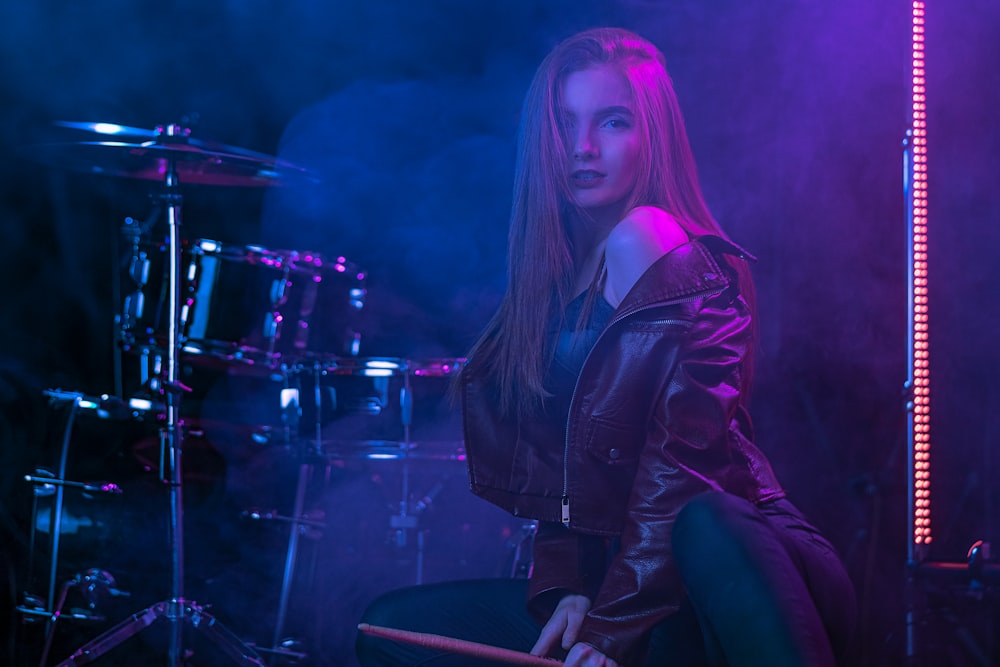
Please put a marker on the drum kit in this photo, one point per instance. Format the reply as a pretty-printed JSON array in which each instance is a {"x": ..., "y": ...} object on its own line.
[{"x": 284, "y": 321}]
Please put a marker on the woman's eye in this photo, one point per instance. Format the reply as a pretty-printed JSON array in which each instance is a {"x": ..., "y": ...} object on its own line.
[{"x": 616, "y": 123}]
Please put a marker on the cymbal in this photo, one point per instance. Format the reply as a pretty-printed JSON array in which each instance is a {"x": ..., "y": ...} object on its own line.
[
  {"x": 195, "y": 161},
  {"x": 111, "y": 129}
]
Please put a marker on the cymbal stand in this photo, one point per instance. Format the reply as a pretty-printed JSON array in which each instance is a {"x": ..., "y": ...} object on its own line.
[{"x": 175, "y": 609}]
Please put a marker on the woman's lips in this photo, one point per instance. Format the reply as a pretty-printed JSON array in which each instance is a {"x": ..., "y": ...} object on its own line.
[{"x": 587, "y": 178}]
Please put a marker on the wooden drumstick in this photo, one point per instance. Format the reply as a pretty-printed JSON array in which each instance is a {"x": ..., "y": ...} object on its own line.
[{"x": 476, "y": 649}]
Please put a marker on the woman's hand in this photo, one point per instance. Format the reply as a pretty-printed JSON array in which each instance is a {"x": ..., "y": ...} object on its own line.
[
  {"x": 585, "y": 655},
  {"x": 563, "y": 626}
]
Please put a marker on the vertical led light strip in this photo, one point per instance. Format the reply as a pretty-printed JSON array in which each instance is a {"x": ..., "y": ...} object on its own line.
[{"x": 919, "y": 352}]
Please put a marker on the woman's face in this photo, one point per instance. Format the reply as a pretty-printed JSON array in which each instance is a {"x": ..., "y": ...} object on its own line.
[{"x": 602, "y": 137}]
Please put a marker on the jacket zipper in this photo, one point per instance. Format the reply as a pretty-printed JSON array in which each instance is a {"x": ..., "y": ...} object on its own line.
[{"x": 572, "y": 399}]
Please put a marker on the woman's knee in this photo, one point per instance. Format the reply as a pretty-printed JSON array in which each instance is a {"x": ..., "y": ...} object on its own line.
[
  {"x": 709, "y": 512},
  {"x": 394, "y": 607},
  {"x": 711, "y": 526}
]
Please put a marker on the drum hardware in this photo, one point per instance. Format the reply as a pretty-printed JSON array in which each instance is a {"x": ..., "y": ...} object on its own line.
[
  {"x": 523, "y": 560},
  {"x": 93, "y": 584},
  {"x": 33, "y": 609},
  {"x": 407, "y": 520},
  {"x": 291, "y": 414},
  {"x": 172, "y": 157},
  {"x": 311, "y": 519},
  {"x": 291, "y": 555},
  {"x": 57, "y": 521},
  {"x": 403, "y": 522},
  {"x": 104, "y": 406},
  {"x": 56, "y": 483},
  {"x": 289, "y": 648},
  {"x": 48, "y": 482},
  {"x": 138, "y": 271}
]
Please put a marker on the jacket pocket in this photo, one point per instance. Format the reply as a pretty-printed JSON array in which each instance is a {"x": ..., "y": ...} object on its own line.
[{"x": 614, "y": 443}]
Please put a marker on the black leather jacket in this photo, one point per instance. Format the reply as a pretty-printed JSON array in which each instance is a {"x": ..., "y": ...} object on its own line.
[{"x": 655, "y": 419}]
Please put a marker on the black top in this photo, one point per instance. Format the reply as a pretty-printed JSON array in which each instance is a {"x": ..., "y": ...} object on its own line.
[{"x": 571, "y": 349}]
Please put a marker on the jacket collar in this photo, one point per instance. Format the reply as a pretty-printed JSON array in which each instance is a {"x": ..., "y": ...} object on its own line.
[{"x": 690, "y": 270}]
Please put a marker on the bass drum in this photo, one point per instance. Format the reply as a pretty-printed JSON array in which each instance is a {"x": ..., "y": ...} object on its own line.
[{"x": 375, "y": 517}]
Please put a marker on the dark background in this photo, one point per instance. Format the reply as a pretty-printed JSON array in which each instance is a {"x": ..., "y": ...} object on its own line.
[{"x": 408, "y": 112}]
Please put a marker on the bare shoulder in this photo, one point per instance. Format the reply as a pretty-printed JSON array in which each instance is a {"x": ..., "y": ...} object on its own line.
[
  {"x": 646, "y": 229},
  {"x": 645, "y": 234}
]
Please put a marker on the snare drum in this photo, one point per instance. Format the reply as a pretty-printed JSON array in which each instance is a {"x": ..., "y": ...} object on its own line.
[
  {"x": 380, "y": 407},
  {"x": 245, "y": 304}
]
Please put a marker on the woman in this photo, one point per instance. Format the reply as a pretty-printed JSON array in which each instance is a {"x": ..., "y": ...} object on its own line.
[{"x": 607, "y": 399}]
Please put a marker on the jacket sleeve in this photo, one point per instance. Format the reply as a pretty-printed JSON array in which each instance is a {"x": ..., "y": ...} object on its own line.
[
  {"x": 565, "y": 563},
  {"x": 686, "y": 448}
]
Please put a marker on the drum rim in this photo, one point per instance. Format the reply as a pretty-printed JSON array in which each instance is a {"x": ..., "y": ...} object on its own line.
[
  {"x": 376, "y": 366},
  {"x": 393, "y": 450},
  {"x": 297, "y": 260}
]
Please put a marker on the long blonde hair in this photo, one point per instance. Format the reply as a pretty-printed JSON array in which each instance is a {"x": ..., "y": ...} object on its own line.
[{"x": 513, "y": 351}]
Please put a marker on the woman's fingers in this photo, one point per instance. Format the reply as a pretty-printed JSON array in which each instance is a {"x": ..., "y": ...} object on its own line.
[
  {"x": 585, "y": 655},
  {"x": 576, "y": 609},
  {"x": 548, "y": 637},
  {"x": 563, "y": 626}
]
